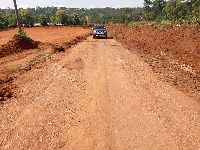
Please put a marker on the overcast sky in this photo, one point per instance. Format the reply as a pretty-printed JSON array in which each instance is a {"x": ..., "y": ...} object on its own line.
[{"x": 72, "y": 3}]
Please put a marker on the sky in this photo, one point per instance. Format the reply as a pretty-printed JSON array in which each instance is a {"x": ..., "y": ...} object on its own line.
[{"x": 72, "y": 3}]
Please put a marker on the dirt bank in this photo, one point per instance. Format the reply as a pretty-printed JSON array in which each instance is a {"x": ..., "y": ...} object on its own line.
[{"x": 172, "y": 53}]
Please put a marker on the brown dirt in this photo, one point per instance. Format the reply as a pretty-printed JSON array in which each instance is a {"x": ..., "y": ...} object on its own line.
[
  {"x": 17, "y": 44},
  {"x": 20, "y": 54},
  {"x": 97, "y": 95},
  {"x": 173, "y": 53}
]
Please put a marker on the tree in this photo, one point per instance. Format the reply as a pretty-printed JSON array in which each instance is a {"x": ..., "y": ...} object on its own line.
[
  {"x": 124, "y": 15},
  {"x": 196, "y": 10},
  {"x": 154, "y": 9},
  {"x": 2, "y": 21},
  {"x": 26, "y": 18},
  {"x": 158, "y": 6},
  {"x": 62, "y": 17},
  {"x": 53, "y": 20},
  {"x": 74, "y": 19},
  {"x": 43, "y": 20},
  {"x": 176, "y": 11},
  {"x": 106, "y": 18},
  {"x": 147, "y": 5},
  {"x": 137, "y": 15},
  {"x": 149, "y": 14},
  {"x": 12, "y": 21}
]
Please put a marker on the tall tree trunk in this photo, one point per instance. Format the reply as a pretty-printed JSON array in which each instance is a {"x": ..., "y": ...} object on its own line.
[{"x": 16, "y": 12}]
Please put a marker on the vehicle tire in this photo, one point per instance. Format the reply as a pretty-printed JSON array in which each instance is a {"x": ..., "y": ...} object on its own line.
[{"x": 94, "y": 37}]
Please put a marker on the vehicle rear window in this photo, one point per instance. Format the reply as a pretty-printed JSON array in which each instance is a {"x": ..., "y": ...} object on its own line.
[{"x": 99, "y": 27}]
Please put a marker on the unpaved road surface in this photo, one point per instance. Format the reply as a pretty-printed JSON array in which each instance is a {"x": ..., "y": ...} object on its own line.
[{"x": 98, "y": 96}]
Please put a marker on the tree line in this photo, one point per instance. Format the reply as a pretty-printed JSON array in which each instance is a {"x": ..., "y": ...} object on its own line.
[
  {"x": 174, "y": 11},
  {"x": 30, "y": 17},
  {"x": 67, "y": 16}
]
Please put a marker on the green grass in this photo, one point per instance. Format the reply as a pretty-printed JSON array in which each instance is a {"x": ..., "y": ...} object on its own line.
[{"x": 158, "y": 24}]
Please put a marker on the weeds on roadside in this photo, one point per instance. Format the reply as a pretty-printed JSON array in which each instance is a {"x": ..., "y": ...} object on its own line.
[
  {"x": 39, "y": 58},
  {"x": 159, "y": 24},
  {"x": 139, "y": 24},
  {"x": 87, "y": 25},
  {"x": 162, "y": 24},
  {"x": 22, "y": 33}
]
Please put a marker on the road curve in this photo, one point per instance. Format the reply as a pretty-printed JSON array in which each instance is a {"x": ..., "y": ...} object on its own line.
[{"x": 98, "y": 96}]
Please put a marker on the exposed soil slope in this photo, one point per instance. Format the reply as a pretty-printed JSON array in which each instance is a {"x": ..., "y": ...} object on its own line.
[{"x": 17, "y": 44}]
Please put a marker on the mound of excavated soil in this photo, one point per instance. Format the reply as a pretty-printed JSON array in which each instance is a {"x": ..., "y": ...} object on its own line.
[{"x": 17, "y": 44}]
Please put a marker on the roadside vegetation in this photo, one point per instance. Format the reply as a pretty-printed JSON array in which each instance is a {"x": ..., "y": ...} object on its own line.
[
  {"x": 172, "y": 11},
  {"x": 38, "y": 17},
  {"x": 158, "y": 12}
]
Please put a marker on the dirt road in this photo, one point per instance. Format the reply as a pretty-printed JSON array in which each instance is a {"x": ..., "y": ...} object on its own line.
[{"x": 98, "y": 96}]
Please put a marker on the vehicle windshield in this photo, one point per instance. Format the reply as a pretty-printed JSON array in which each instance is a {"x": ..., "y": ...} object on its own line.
[{"x": 99, "y": 27}]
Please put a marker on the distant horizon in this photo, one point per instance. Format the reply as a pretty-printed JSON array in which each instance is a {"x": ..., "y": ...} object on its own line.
[
  {"x": 65, "y": 7},
  {"x": 72, "y": 4}
]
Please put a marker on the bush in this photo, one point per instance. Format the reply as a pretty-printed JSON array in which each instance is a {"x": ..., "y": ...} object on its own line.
[{"x": 22, "y": 33}]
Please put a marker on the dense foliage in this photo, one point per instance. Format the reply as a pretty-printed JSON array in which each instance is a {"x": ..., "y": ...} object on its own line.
[
  {"x": 69, "y": 16},
  {"x": 26, "y": 18},
  {"x": 174, "y": 11}
]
